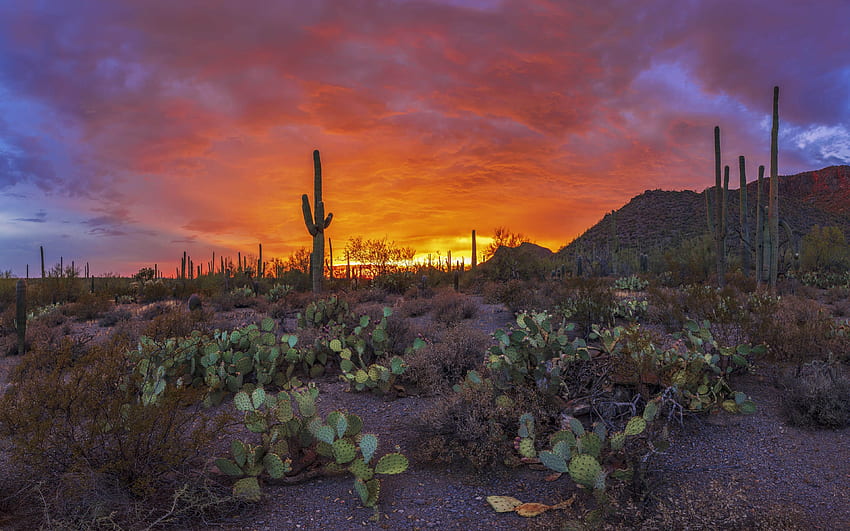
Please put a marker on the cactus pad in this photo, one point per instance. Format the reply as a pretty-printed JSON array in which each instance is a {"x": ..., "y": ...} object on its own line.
[
  {"x": 503, "y": 504},
  {"x": 343, "y": 451},
  {"x": 553, "y": 461},
  {"x": 247, "y": 489},
  {"x": 237, "y": 448},
  {"x": 283, "y": 410},
  {"x": 394, "y": 463},
  {"x": 368, "y": 491},
  {"x": 584, "y": 469},
  {"x": 324, "y": 449},
  {"x": 589, "y": 444},
  {"x": 576, "y": 426},
  {"x": 361, "y": 470},
  {"x": 242, "y": 401},
  {"x": 635, "y": 426},
  {"x": 228, "y": 467},
  {"x": 650, "y": 411},
  {"x": 258, "y": 397},
  {"x": 526, "y": 447},
  {"x": 256, "y": 422},
  {"x": 526, "y": 425},
  {"x": 563, "y": 435},
  {"x": 355, "y": 425},
  {"x": 368, "y": 445},
  {"x": 562, "y": 448},
  {"x": 276, "y": 466},
  {"x": 267, "y": 324},
  {"x": 618, "y": 440}
]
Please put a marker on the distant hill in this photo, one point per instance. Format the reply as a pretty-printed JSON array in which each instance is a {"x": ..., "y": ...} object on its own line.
[{"x": 656, "y": 219}]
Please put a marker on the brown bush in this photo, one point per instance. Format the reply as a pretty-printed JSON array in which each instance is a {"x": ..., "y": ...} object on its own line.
[
  {"x": 450, "y": 307},
  {"x": 176, "y": 322},
  {"x": 471, "y": 427},
  {"x": 435, "y": 368},
  {"x": 817, "y": 395},
  {"x": 794, "y": 329},
  {"x": 91, "y": 440}
]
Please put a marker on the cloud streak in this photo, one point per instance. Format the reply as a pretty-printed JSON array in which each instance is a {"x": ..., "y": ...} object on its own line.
[{"x": 190, "y": 125}]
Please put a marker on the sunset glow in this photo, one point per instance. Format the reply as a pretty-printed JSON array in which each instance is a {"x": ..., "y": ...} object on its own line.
[{"x": 132, "y": 131}]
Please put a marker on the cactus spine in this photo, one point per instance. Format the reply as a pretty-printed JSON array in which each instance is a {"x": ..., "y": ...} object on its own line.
[
  {"x": 21, "y": 314},
  {"x": 316, "y": 223},
  {"x": 773, "y": 205},
  {"x": 745, "y": 225}
]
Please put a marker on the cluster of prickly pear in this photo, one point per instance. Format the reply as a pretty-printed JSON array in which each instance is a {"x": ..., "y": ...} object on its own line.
[
  {"x": 249, "y": 460},
  {"x": 279, "y": 292},
  {"x": 524, "y": 354},
  {"x": 585, "y": 454},
  {"x": 357, "y": 351},
  {"x": 335, "y": 444},
  {"x": 324, "y": 312},
  {"x": 630, "y": 283}
]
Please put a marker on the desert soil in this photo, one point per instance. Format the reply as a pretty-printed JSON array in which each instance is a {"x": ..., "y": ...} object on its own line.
[{"x": 745, "y": 464}]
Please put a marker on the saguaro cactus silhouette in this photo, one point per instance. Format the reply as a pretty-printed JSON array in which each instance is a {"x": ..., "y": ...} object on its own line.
[
  {"x": 316, "y": 224},
  {"x": 773, "y": 202}
]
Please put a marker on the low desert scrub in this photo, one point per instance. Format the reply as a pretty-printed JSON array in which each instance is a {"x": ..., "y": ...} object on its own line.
[
  {"x": 104, "y": 458},
  {"x": 175, "y": 321},
  {"x": 817, "y": 395},
  {"x": 435, "y": 368},
  {"x": 793, "y": 329},
  {"x": 450, "y": 308}
]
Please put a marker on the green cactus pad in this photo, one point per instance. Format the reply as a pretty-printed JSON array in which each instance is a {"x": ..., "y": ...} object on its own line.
[
  {"x": 228, "y": 467},
  {"x": 747, "y": 407},
  {"x": 600, "y": 430},
  {"x": 576, "y": 426},
  {"x": 623, "y": 474},
  {"x": 526, "y": 425},
  {"x": 276, "y": 466},
  {"x": 283, "y": 410},
  {"x": 599, "y": 482},
  {"x": 258, "y": 397},
  {"x": 242, "y": 401},
  {"x": 526, "y": 447},
  {"x": 504, "y": 401},
  {"x": 553, "y": 461},
  {"x": 247, "y": 489},
  {"x": 306, "y": 403},
  {"x": 562, "y": 448},
  {"x": 346, "y": 365},
  {"x": 650, "y": 411},
  {"x": 361, "y": 470},
  {"x": 393, "y": 463},
  {"x": 397, "y": 365},
  {"x": 361, "y": 376},
  {"x": 375, "y": 373},
  {"x": 563, "y": 435},
  {"x": 325, "y": 434},
  {"x": 589, "y": 444},
  {"x": 368, "y": 491},
  {"x": 335, "y": 345},
  {"x": 344, "y": 451},
  {"x": 635, "y": 426},
  {"x": 355, "y": 425},
  {"x": 341, "y": 426},
  {"x": 281, "y": 448},
  {"x": 324, "y": 449},
  {"x": 618, "y": 440},
  {"x": 256, "y": 422},
  {"x": 368, "y": 445},
  {"x": 240, "y": 453},
  {"x": 267, "y": 324},
  {"x": 584, "y": 469}
]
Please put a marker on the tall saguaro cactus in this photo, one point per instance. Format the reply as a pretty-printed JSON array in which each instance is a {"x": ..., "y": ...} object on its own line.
[
  {"x": 316, "y": 224},
  {"x": 745, "y": 224},
  {"x": 474, "y": 250},
  {"x": 760, "y": 227},
  {"x": 773, "y": 204},
  {"x": 718, "y": 225},
  {"x": 21, "y": 314}
]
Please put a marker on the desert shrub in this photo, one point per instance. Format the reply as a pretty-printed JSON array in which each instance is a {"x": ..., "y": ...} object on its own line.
[
  {"x": 589, "y": 302},
  {"x": 476, "y": 425},
  {"x": 90, "y": 434},
  {"x": 817, "y": 395},
  {"x": 398, "y": 282},
  {"x": 793, "y": 328},
  {"x": 87, "y": 307},
  {"x": 153, "y": 290},
  {"x": 439, "y": 365},
  {"x": 518, "y": 295},
  {"x": 175, "y": 322},
  {"x": 451, "y": 308},
  {"x": 114, "y": 317},
  {"x": 415, "y": 307}
]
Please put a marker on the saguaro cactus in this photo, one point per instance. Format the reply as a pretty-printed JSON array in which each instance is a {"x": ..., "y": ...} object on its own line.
[
  {"x": 474, "y": 251},
  {"x": 718, "y": 225},
  {"x": 744, "y": 219},
  {"x": 316, "y": 224},
  {"x": 773, "y": 205},
  {"x": 760, "y": 227},
  {"x": 21, "y": 314}
]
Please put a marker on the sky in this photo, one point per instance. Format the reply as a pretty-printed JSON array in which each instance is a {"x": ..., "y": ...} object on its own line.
[{"x": 131, "y": 131}]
